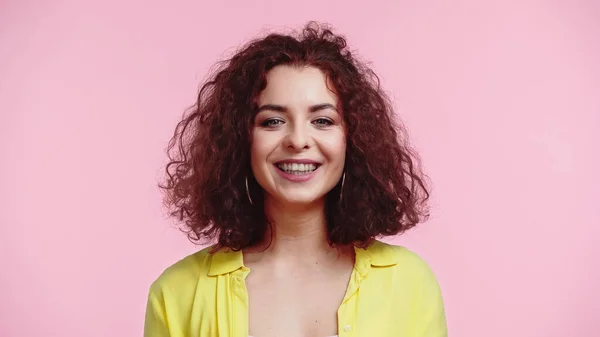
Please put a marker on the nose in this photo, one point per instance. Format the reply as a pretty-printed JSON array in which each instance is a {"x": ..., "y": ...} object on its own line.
[{"x": 297, "y": 138}]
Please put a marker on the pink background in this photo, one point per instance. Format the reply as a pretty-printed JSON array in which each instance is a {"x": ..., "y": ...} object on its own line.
[{"x": 502, "y": 100}]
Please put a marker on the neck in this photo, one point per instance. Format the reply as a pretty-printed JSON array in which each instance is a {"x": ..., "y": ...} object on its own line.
[{"x": 296, "y": 231}]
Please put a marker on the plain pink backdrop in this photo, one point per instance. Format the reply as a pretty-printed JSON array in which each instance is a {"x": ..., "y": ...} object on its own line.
[{"x": 502, "y": 99}]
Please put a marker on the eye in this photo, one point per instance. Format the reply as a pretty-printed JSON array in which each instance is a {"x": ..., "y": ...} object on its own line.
[
  {"x": 323, "y": 122},
  {"x": 271, "y": 123}
]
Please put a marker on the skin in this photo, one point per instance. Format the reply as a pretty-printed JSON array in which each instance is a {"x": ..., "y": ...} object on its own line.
[{"x": 297, "y": 283}]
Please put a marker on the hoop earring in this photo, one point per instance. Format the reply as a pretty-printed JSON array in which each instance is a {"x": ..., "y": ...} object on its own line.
[
  {"x": 342, "y": 188},
  {"x": 248, "y": 192}
]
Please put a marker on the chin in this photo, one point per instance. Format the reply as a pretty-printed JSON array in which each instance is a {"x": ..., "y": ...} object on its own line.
[{"x": 299, "y": 199}]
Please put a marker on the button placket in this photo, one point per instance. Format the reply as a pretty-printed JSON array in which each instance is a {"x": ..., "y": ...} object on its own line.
[
  {"x": 346, "y": 314},
  {"x": 240, "y": 305}
]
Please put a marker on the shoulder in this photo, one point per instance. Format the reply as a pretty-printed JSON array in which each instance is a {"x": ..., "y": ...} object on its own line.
[
  {"x": 411, "y": 285},
  {"x": 406, "y": 277},
  {"x": 408, "y": 265},
  {"x": 173, "y": 295},
  {"x": 187, "y": 271}
]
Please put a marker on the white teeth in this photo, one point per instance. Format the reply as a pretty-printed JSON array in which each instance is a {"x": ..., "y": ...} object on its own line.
[{"x": 296, "y": 168}]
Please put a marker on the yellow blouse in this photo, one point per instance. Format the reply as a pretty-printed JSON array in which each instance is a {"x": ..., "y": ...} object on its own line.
[{"x": 392, "y": 292}]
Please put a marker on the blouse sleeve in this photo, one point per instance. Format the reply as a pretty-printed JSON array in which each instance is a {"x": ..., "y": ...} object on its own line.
[
  {"x": 155, "y": 324},
  {"x": 432, "y": 316}
]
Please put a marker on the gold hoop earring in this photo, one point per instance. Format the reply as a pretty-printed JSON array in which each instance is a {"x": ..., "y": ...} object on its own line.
[
  {"x": 342, "y": 188},
  {"x": 248, "y": 192}
]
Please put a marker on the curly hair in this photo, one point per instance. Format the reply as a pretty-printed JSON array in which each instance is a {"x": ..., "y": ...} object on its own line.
[{"x": 384, "y": 192}]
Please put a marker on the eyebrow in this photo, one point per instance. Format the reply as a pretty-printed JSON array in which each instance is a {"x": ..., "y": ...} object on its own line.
[{"x": 281, "y": 108}]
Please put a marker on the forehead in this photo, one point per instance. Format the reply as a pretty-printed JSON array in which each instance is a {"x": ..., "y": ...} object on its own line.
[{"x": 288, "y": 85}]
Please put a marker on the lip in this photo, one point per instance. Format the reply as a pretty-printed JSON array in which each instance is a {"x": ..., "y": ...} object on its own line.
[
  {"x": 298, "y": 161},
  {"x": 297, "y": 177}
]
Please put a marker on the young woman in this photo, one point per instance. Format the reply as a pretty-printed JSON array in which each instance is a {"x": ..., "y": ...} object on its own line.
[{"x": 292, "y": 162}]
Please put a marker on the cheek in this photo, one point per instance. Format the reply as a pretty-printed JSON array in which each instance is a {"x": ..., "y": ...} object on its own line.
[
  {"x": 335, "y": 147},
  {"x": 262, "y": 145}
]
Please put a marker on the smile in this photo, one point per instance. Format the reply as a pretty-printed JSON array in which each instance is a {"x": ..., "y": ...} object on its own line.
[{"x": 297, "y": 169}]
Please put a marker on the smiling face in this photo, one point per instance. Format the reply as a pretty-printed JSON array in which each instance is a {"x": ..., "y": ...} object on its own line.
[{"x": 298, "y": 137}]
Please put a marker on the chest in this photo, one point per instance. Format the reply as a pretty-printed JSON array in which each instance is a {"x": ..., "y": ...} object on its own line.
[
  {"x": 241, "y": 304},
  {"x": 296, "y": 304}
]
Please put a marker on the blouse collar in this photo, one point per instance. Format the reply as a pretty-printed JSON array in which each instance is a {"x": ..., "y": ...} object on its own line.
[{"x": 377, "y": 254}]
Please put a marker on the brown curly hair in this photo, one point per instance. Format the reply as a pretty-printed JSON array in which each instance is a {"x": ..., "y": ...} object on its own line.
[{"x": 205, "y": 185}]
